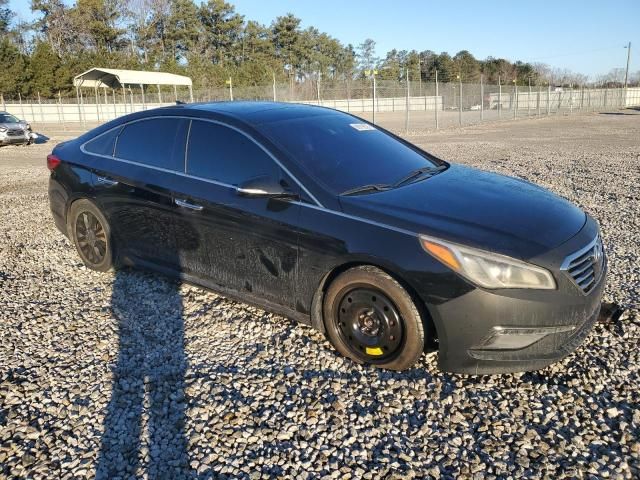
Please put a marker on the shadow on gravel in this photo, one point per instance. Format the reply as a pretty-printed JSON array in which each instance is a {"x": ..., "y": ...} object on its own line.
[{"x": 144, "y": 429}]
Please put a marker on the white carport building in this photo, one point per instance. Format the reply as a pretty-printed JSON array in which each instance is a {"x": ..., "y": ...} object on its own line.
[{"x": 116, "y": 79}]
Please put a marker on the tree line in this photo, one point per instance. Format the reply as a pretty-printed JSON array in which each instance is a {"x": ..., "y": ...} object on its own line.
[{"x": 211, "y": 42}]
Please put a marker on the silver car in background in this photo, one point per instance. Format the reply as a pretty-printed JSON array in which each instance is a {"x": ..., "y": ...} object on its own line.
[{"x": 14, "y": 131}]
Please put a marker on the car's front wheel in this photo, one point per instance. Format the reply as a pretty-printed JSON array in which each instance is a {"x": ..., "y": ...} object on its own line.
[
  {"x": 370, "y": 318},
  {"x": 90, "y": 232}
]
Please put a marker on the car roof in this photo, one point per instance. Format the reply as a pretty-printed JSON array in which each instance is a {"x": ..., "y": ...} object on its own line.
[{"x": 258, "y": 112}]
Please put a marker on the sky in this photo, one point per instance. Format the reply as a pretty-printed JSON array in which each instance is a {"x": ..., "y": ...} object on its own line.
[{"x": 586, "y": 36}]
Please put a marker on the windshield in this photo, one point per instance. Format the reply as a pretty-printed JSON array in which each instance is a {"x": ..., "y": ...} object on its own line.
[
  {"x": 344, "y": 153},
  {"x": 6, "y": 118}
]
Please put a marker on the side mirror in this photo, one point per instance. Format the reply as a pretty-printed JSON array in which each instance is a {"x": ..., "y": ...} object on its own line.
[{"x": 264, "y": 187}]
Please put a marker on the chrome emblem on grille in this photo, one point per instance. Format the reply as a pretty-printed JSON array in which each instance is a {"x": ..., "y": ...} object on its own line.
[{"x": 597, "y": 257}]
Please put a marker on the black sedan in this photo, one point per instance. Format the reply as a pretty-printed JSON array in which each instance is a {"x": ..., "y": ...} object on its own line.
[{"x": 327, "y": 219}]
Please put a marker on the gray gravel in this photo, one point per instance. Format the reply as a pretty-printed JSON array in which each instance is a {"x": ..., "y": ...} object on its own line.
[{"x": 130, "y": 374}]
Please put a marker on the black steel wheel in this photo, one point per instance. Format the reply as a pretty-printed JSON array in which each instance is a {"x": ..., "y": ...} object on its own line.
[
  {"x": 369, "y": 324},
  {"x": 371, "y": 318},
  {"x": 89, "y": 230}
]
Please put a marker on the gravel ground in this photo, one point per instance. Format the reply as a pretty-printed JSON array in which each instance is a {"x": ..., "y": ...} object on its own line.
[{"x": 133, "y": 375}]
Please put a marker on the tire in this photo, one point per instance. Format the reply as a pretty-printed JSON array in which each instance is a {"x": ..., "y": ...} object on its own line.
[
  {"x": 95, "y": 249},
  {"x": 370, "y": 318}
]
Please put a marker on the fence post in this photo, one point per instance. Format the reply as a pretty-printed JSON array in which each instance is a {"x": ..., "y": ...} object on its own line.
[
  {"x": 21, "y": 107},
  {"x": 78, "y": 104},
  {"x": 160, "y": 95},
  {"x": 84, "y": 111},
  {"x": 348, "y": 96},
  {"x": 606, "y": 90},
  {"x": 4, "y": 105},
  {"x": 570, "y": 99},
  {"x": 548, "y": 99},
  {"x": 460, "y": 109},
  {"x": 538, "y": 101},
  {"x": 40, "y": 105},
  {"x": 58, "y": 110},
  {"x": 97, "y": 103},
  {"x": 581, "y": 97},
  {"x": 406, "y": 115},
  {"x": 144, "y": 106},
  {"x": 64, "y": 125},
  {"x": 481, "y": 98},
  {"x": 374, "y": 105},
  {"x": 515, "y": 97},
  {"x": 437, "y": 96},
  {"x": 33, "y": 115},
  {"x": 499, "y": 98},
  {"x": 274, "y": 85},
  {"x": 529, "y": 100}
]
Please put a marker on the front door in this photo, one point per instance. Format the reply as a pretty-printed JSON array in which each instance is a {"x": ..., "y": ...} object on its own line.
[{"x": 247, "y": 245}]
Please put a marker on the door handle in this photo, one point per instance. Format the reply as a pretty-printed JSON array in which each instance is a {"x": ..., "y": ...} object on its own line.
[
  {"x": 185, "y": 204},
  {"x": 106, "y": 181}
]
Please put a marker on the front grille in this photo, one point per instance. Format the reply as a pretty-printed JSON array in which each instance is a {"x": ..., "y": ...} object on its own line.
[
  {"x": 585, "y": 266},
  {"x": 15, "y": 131}
]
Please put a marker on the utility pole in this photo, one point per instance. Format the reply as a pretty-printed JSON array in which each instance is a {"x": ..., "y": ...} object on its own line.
[{"x": 626, "y": 73}]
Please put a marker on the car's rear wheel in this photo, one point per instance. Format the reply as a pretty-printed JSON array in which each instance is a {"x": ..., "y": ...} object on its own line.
[
  {"x": 90, "y": 232},
  {"x": 371, "y": 318}
]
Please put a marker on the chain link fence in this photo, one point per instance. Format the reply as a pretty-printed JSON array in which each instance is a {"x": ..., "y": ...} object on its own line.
[{"x": 399, "y": 106}]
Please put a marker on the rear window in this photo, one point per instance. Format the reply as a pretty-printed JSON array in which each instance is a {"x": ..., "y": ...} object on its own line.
[
  {"x": 103, "y": 144},
  {"x": 157, "y": 142},
  {"x": 342, "y": 152}
]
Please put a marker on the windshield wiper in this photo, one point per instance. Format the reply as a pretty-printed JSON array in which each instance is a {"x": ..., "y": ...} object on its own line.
[
  {"x": 419, "y": 172},
  {"x": 374, "y": 187}
]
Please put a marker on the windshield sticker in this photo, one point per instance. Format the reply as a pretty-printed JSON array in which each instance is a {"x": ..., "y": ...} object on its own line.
[{"x": 362, "y": 127}]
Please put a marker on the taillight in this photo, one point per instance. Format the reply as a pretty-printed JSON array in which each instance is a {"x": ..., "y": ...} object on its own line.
[{"x": 52, "y": 161}]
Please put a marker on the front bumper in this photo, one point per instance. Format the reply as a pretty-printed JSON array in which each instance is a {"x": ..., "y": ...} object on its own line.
[
  {"x": 500, "y": 331},
  {"x": 14, "y": 139}
]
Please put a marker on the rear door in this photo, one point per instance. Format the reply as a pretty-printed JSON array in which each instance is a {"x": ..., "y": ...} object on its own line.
[
  {"x": 136, "y": 192},
  {"x": 248, "y": 245}
]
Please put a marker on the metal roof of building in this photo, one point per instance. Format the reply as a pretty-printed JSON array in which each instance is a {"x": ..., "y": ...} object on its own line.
[{"x": 115, "y": 78}]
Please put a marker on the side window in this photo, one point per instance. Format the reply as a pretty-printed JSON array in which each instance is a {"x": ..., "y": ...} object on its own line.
[
  {"x": 157, "y": 142},
  {"x": 103, "y": 144},
  {"x": 220, "y": 153}
]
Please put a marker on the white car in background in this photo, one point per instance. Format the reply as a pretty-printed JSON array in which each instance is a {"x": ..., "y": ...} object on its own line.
[{"x": 15, "y": 131}]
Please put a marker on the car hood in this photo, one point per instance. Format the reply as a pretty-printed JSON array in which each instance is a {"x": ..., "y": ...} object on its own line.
[
  {"x": 477, "y": 208},
  {"x": 21, "y": 126}
]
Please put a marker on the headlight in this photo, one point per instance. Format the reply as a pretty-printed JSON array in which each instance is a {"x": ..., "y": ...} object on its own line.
[
  {"x": 3, "y": 129},
  {"x": 486, "y": 269}
]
